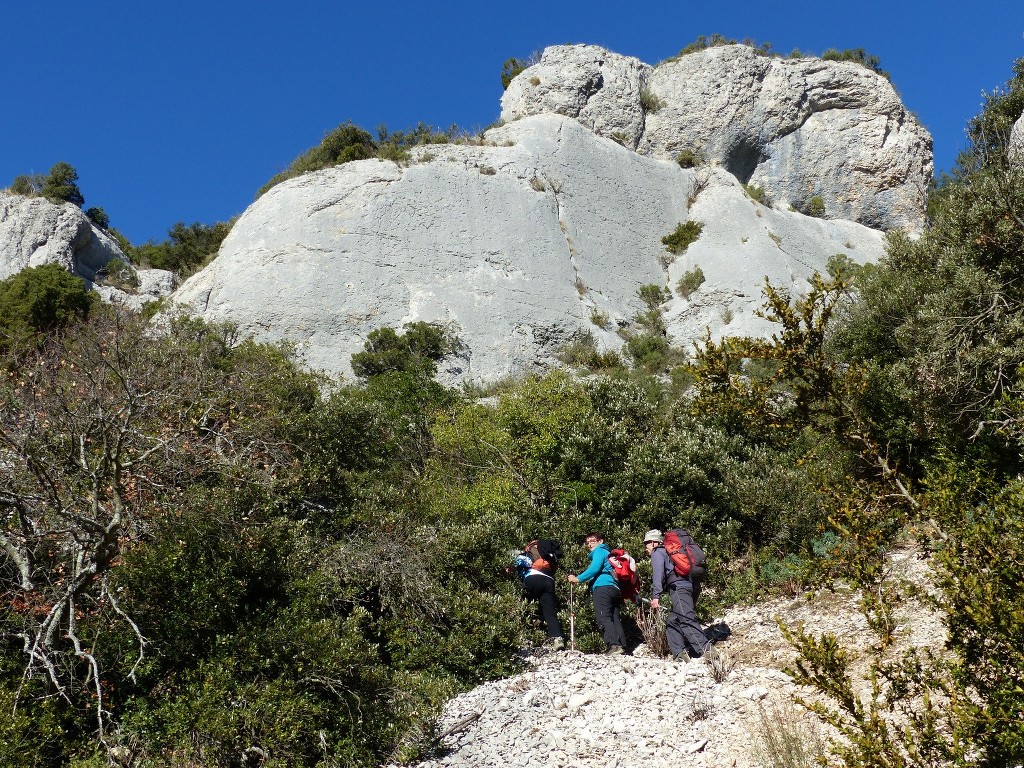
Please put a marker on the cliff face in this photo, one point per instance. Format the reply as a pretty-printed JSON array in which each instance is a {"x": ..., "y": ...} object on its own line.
[
  {"x": 543, "y": 232},
  {"x": 541, "y": 235},
  {"x": 34, "y": 231},
  {"x": 798, "y": 128}
]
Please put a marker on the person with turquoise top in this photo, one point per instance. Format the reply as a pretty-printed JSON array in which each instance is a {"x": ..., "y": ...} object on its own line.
[{"x": 600, "y": 579}]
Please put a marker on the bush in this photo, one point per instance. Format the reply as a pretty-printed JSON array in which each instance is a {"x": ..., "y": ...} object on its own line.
[
  {"x": 60, "y": 185},
  {"x": 510, "y": 70},
  {"x": 815, "y": 207},
  {"x": 757, "y": 194},
  {"x": 188, "y": 249},
  {"x": 650, "y": 101},
  {"x": 27, "y": 185},
  {"x": 683, "y": 237},
  {"x": 98, "y": 217},
  {"x": 689, "y": 158},
  {"x": 38, "y": 300},
  {"x": 690, "y": 282},
  {"x": 857, "y": 56}
]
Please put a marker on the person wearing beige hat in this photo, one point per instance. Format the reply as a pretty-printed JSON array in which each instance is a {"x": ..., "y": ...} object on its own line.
[{"x": 685, "y": 637}]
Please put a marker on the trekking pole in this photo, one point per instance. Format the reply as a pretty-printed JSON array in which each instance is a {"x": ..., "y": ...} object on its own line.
[{"x": 572, "y": 618}]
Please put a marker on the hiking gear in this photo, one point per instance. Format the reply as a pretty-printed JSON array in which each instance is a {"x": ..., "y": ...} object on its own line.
[
  {"x": 541, "y": 589},
  {"x": 682, "y": 656},
  {"x": 614, "y": 650},
  {"x": 521, "y": 564},
  {"x": 556, "y": 644},
  {"x": 624, "y": 569},
  {"x": 545, "y": 554},
  {"x": 654, "y": 535},
  {"x": 572, "y": 618},
  {"x": 686, "y": 555}
]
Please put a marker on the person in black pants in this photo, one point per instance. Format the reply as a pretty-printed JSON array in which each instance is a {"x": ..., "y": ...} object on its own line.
[
  {"x": 605, "y": 590},
  {"x": 537, "y": 574}
]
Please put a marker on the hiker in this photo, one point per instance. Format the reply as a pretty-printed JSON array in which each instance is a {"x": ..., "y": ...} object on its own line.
[
  {"x": 685, "y": 637},
  {"x": 536, "y": 567},
  {"x": 600, "y": 579}
]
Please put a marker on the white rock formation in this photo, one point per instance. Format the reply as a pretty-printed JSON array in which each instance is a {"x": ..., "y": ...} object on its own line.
[
  {"x": 1016, "y": 146},
  {"x": 520, "y": 245},
  {"x": 153, "y": 284},
  {"x": 34, "y": 231},
  {"x": 798, "y": 128}
]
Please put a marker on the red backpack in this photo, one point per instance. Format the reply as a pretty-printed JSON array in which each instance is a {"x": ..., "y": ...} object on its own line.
[
  {"x": 686, "y": 555},
  {"x": 624, "y": 569}
]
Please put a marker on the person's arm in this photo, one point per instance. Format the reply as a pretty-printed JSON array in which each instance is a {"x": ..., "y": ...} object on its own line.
[
  {"x": 658, "y": 565},
  {"x": 597, "y": 559}
]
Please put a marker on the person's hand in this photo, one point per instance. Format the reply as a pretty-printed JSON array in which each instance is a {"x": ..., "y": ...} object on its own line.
[
  {"x": 572, "y": 578},
  {"x": 655, "y": 603}
]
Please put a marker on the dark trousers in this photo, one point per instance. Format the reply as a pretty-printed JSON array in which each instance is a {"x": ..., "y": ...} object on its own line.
[
  {"x": 542, "y": 589},
  {"x": 682, "y": 630},
  {"x": 606, "y": 607}
]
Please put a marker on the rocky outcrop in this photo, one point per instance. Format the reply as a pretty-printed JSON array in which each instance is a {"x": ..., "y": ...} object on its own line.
[
  {"x": 153, "y": 284},
  {"x": 540, "y": 236},
  {"x": 797, "y": 128},
  {"x": 1016, "y": 144},
  {"x": 34, "y": 231}
]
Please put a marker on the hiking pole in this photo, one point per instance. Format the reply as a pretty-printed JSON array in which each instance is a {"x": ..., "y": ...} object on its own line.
[{"x": 572, "y": 618}]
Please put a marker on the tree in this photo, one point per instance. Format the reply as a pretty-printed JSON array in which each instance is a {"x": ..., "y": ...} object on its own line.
[
  {"x": 104, "y": 429},
  {"x": 510, "y": 70},
  {"x": 38, "y": 300},
  {"x": 61, "y": 185}
]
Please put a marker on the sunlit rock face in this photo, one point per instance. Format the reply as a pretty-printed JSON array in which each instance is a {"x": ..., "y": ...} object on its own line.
[
  {"x": 34, "y": 231},
  {"x": 799, "y": 129},
  {"x": 539, "y": 236}
]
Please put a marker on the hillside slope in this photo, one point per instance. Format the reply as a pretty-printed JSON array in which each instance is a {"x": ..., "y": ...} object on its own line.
[{"x": 571, "y": 710}]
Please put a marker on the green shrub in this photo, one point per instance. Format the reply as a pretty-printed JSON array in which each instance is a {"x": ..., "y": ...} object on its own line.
[
  {"x": 98, "y": 217},
  {"x": 815, "y": 207},
  {"x": 416, "y": 351},
  {"x": 685, "y": 234},
  {"x": 188, "y": 249},
  {"x": 690, "y": 281},
  {"x": 650, "y": 101},
  {"x": 38, "y": 300},
  {"x": 510, "y": 69},
  {"x": 757, "y": 194},
  {"x": 857, "y": 56},
  {"x": 689, "y": 158},
  {"x": 120, "y": 275},
  {"x": 60, "y": 185},
  {"x": 27, "y": 185}
]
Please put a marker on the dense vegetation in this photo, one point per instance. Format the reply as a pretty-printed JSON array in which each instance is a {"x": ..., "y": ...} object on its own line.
[
  {"x": 349, "y": 142},
  {"x": 212, "y": 557}
]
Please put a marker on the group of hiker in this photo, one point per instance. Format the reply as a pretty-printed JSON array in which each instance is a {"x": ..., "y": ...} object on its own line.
[{"x": 611, "y": 579}]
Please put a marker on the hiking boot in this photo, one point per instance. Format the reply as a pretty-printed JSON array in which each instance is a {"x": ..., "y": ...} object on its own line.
[
  {"x": 614, "y": 650},
  {"x": 556, "y": 644},
  {"x": 682, "y": 657}
]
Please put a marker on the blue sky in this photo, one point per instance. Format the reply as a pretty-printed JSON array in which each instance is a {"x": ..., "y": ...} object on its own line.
[{"x": 180, "y": 111}]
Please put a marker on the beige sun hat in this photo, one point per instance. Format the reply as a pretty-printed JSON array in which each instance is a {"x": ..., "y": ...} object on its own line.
[{"x": 654, "y": 535}]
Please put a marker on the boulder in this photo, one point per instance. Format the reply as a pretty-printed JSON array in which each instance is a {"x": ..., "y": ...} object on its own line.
[
  {"x": 538, "y": 237},
  {"x": 34, "y": 231},
  {"x": 797, "y": 128}
]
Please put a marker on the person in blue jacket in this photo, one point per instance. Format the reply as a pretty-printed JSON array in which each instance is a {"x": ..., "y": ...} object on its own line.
[{"x": 599, "y": 577}]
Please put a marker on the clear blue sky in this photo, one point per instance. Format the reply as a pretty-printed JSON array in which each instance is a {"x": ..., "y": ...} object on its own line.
[{"x": 180, "y": 111}]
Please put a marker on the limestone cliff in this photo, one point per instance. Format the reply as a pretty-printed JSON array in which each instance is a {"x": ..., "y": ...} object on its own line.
[
  {"x": 34, "y": 231},
  {"x": 542, "y": 233},
  {"x": 798, "y": 128}
]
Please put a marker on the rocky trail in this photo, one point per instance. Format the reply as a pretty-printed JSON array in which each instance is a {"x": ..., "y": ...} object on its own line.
[{"x": 570, "y": 709}]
